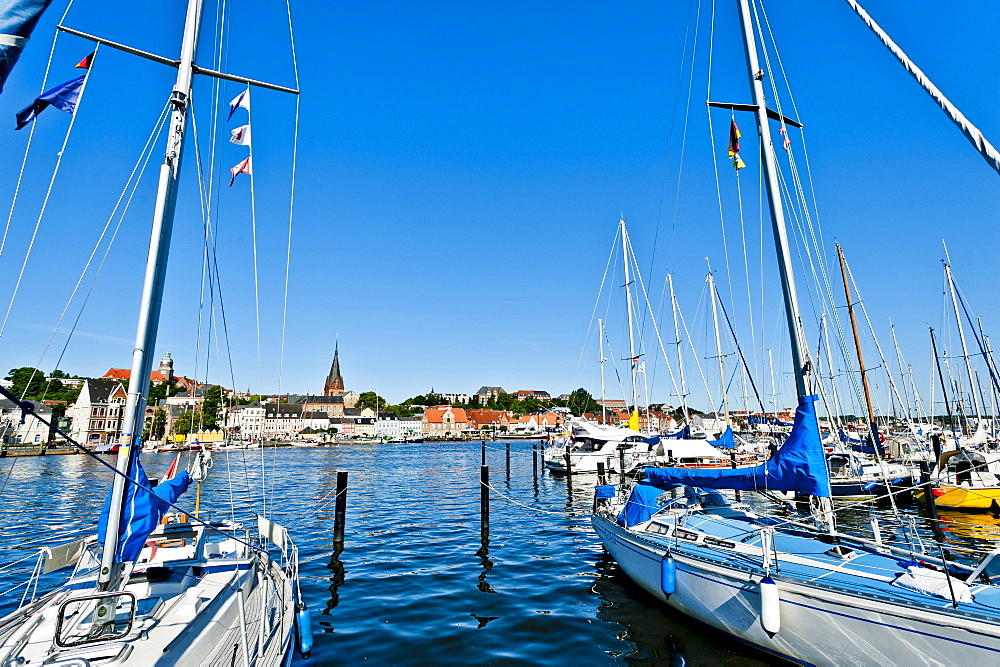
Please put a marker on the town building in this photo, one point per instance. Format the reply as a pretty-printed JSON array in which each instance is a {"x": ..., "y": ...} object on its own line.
[
  {"x": 484, "y": 394},
  {"x": 31, "y": 432},
  {"x": 97, "y": 413},
  {"x": 522, "y": 394},
  {"x": 444, "y": 421},
  {"x": 163, "y": 374},
  {"x": 334, "y": 385},
  {"x": 536, "y": 423},
  {"x": 489, "y": 420},
  {"x": 455, "y": 398}
]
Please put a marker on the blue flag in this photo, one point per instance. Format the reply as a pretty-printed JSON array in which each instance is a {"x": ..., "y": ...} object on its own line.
[
  {"x": 64, "y": 96},
  {"x": 142, "y": 509},
  {"x": 17, "y": 20}
]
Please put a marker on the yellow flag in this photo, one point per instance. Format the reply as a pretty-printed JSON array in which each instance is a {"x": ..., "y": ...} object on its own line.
[{"x": 633, "y": 421}]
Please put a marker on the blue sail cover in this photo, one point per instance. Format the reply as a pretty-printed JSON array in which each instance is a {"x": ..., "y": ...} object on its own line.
[
  {"x": 142, "y": 509},
  {"x": 799, "y": 465},
  {"x": 17, "y": 19},
  {"x": 683, "y": 434},
  {"x": 863, "y": 446},
  {"x": 726, "y": 440}
]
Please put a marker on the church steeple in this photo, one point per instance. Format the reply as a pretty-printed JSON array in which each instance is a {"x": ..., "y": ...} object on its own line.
[{"x": 334, "y": 385}]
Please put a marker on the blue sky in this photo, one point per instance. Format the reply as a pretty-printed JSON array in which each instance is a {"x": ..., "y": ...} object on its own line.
[{"x": 461, "y": 172}]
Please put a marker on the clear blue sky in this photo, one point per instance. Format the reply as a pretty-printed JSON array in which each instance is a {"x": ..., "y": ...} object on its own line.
[{"x": 461, "y": 172}]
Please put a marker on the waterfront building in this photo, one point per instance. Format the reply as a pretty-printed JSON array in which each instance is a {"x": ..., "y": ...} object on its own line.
[
  {"x": 537, "y": 423},
  {"x": 389, "y": 425},
  {"x": 522, "y": 394},
  {"x": 31, "y": 432},
  {"x": 444, "y": 421},
  {"x": 282, "y": 420},
  {"x": 163, "y": 374},
  {"x": 491, "y": 420},
  {"x": 97, "y": 413},
  {"x": 413, "y": 427}
]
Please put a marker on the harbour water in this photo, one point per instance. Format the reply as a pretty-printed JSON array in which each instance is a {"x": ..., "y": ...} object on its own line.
[{"x": 415, "y": 583}]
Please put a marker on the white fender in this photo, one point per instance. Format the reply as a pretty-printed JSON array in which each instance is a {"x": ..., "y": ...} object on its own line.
[{"x": 770, "y": 612}]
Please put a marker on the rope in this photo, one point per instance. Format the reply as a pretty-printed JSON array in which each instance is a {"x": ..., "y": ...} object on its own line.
[
  {"x": 48, "y": 193},
  {"x": 518, "y": 502}
]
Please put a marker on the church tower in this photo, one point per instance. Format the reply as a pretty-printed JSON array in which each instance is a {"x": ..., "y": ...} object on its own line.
[{"x": 334, "y": 385}]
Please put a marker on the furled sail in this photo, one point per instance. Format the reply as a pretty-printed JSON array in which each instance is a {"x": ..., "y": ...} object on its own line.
[
  {"x": 799, "y": 465},
  {"x": 142, "y": 509},
  {"x": 17, "y": 19},
  {"x": 727, "y": 439}
]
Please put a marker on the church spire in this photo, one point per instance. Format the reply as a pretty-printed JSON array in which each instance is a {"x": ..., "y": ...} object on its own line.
[{"x": 334, "y": 385}]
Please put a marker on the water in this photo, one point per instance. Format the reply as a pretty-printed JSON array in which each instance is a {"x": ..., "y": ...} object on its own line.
[{"x": 415, "y": 583}]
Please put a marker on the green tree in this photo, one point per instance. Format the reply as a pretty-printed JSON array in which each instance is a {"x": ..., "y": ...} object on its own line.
[
  {"x": 369, "y": 399},
  {"x": 211, "y": 407},
  {"x": 158, "y": 424},
  {"x": 580, "y": 401},
  {"x": 28, "y": 382},
  {"x": 187, "y": 422}
]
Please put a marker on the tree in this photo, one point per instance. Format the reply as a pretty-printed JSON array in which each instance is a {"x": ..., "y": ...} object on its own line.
[
  {"x": 211, "y": 407},
  {"x": 28, "y": 382},
  {"x": 187, "y": 422},
  {"x": 158, "y": 424},
  {"x": 369, "y": 399},
  {"x": 580, "y": 402}
]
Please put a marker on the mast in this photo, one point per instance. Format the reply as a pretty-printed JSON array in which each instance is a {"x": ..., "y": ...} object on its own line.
[
  {"x": 152, "y": 288},
  {"x": 944, "y": 388},
  {"x": 680, "y": 356},
  {"x": 961, "y": 338},
  {"x": 601, "y": 359},
  {"x": 797, "y": 340},
  {"x": 876, "y": 445},
  {"x": 628, "y": 307},
  {"x": 718, "y": 345}
]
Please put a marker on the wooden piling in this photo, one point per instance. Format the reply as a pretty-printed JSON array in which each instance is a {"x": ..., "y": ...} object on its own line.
[
  {"x": 621, "y": 462},
  {"x": 569, "y": 464},
  {"x": 508, "y": 459},
  {"x": 534, "y": 461},
  {"x": 483, "y": 459},
  {"x": 484, "y": 499},
  {"x": 732, "y": 464},
  {"x": 340, "y": 511},
  {"x": 600, "y": 472},
  {"x": 925, "y": 483}
]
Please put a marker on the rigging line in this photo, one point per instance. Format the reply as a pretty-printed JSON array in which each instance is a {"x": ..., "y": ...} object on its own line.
[
  {"x": 687, "y": 335},
  {"x": 31, "y": 132},
  {"x": 204, "y": 263},
  {"x": 132, "y": 181},
  {"x": 670, "y": 138},
  {"x": 684, "y": 135},
  {"x": 656, "y": 329},
  {"x": 45, "y": 201},
  {"x": 597, "y": 302},
  {"x": 732, "y": 332},
  {"x": 291, "y": 200}
]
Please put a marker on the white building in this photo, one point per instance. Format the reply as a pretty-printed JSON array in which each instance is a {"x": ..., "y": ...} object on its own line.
[
  {"x": 31, "y": 432},
  {"x": 97, "y": 413},
  {"x": 390, "y": 426}
]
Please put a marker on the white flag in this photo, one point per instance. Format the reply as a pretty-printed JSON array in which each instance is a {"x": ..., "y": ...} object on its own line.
[
  {"x": 241, "y": 100},
  {"x": 241, "y": 136},
  {"x": 641, "y": 368},
  {"x": 241, "y": 168}
]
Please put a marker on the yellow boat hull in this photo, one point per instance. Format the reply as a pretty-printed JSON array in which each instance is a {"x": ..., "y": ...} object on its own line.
[{"x": 964, "y": 498}]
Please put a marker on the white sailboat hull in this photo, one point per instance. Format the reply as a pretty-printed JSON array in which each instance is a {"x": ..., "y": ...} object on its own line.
[{"x": 817, "y": 626}]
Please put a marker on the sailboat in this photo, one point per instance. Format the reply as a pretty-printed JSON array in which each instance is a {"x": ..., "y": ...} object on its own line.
[
  {"x": 800, "y": 590},
  {"x": 159, "y": 587}
]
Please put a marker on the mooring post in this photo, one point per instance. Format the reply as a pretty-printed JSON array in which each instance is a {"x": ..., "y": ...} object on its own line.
[
  {"x": 600, "y": 472},
  {"x": 621, "y": 462},
  {"x": 508, "y": 459},
  {"x": 484, "y": 499},
  {"x": 534, "y": 461},
  {"x": 340, "y": 511},
  {"x": 732, "y": 464},
  {"x": 483, "y": 459},
  {"x": 927, "y": 486},
  {"x": 569, "y": 464}
]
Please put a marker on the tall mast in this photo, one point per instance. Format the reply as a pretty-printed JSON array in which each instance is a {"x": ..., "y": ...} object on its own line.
[
  {"x": 628, "y": 307},
  {"x": 602, "y": 359},
  {"x": 718, "y": 344},
  {"x": 152, "y": 288},
  {"x": 861, "y": 360},
  {"x": 680, "y": 356},
  {"x": 944, "y": 388},
  {"x": 797, "y": 339},
  {"x": 961, "y": 338}
]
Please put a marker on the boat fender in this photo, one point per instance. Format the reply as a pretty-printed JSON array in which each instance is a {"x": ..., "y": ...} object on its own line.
[
  {"x": 668, "y": 575},
  {"x": 770, "y": 613},
  {"x": 303, "y": 630}
]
